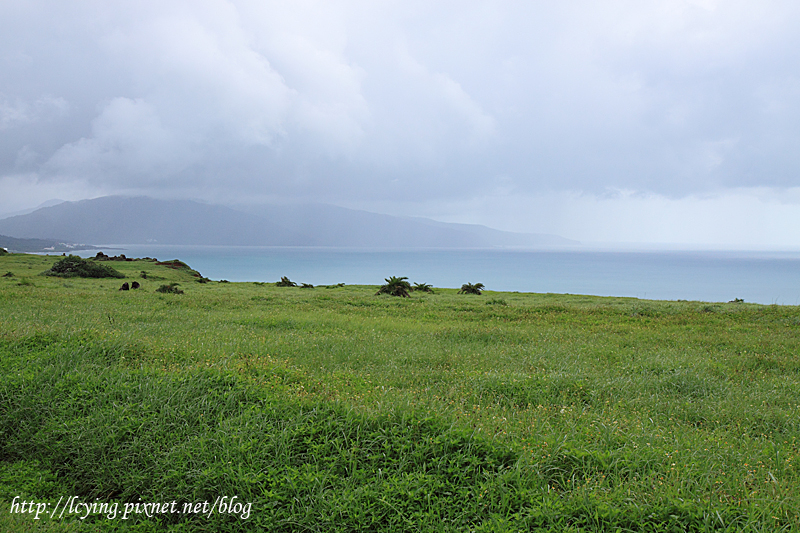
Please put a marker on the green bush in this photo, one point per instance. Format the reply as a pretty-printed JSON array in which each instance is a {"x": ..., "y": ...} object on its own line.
[
  {"x": 74, "y": 266},
  {"x": 172, "y": 288}
]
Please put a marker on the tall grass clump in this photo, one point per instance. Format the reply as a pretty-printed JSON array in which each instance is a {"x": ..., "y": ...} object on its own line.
[{"x": 126, "y": 434}]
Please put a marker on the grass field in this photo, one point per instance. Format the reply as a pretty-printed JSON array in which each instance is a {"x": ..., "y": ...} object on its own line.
[{"x": 332, "y": 409}]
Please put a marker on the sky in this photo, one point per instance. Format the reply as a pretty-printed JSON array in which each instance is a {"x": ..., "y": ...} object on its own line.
[{"x": 674, "y": 121}]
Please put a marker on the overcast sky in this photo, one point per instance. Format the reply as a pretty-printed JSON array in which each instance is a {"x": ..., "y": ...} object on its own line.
[{"x": 617, "y": 120}]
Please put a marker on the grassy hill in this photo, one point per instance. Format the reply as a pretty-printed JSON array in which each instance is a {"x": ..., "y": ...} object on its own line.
[{"x": 332, "y": 409}]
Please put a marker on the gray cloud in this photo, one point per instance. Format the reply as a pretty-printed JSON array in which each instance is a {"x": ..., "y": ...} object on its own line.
[{"x": 360, "y": 101}]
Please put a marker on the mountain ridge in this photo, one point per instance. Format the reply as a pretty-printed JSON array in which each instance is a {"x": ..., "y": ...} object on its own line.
[{"x": 144, "y": 220}]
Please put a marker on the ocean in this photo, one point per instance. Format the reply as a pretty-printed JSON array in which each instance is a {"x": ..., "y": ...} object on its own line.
[{"x": 712, "y": 276}]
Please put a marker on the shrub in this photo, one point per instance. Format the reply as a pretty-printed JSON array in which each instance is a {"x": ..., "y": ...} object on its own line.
[
  {"x": 469, "y": 288},
  {"x": 73, "y": 266},
  {"x": 395, "y": 287},
  {"x": 306, "y": 286},
  {"x": 172, "y": 288},
  {"x": 3, "y": 251}
]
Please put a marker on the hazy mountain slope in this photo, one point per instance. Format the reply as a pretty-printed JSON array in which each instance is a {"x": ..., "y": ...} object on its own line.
[
  {"x": 502, "y": 238},
  {"x": 48, "y": 203},
  {"x": 116, "y": 219},
  {"x": 328, "y": 225},
  {"x": 40, "y": 245},
  {"x": 121, "y": 220}
]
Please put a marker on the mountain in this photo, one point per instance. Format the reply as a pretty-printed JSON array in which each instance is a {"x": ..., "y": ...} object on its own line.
[
  {"x": 329, "y": 225},
  {"x": 123, "y": 220},
  {"x": 48, "y": 203},
  {"x": 141, "y": 220},
  {"x": 40, "y": 245}
]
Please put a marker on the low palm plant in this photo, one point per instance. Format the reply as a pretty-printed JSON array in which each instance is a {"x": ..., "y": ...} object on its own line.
[
  {"x": 422, "y": 287},
  {"x": 395, "y": 287},
  {"x": 469, "y": 288},
  {"x": 285, "y": 282}
]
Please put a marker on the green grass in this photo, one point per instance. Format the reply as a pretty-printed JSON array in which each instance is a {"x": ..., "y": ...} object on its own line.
[{"x": 332, "y": 409}]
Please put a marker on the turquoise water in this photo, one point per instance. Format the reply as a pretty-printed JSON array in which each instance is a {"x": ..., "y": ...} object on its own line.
[{"x": 759, "y": 277}]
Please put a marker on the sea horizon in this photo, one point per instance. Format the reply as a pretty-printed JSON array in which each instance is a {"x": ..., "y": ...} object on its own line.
[{"x": 758, "y": 276}]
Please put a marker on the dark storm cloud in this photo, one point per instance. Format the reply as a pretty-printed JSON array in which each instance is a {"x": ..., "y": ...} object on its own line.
[{"x": 361, "y": 101}]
